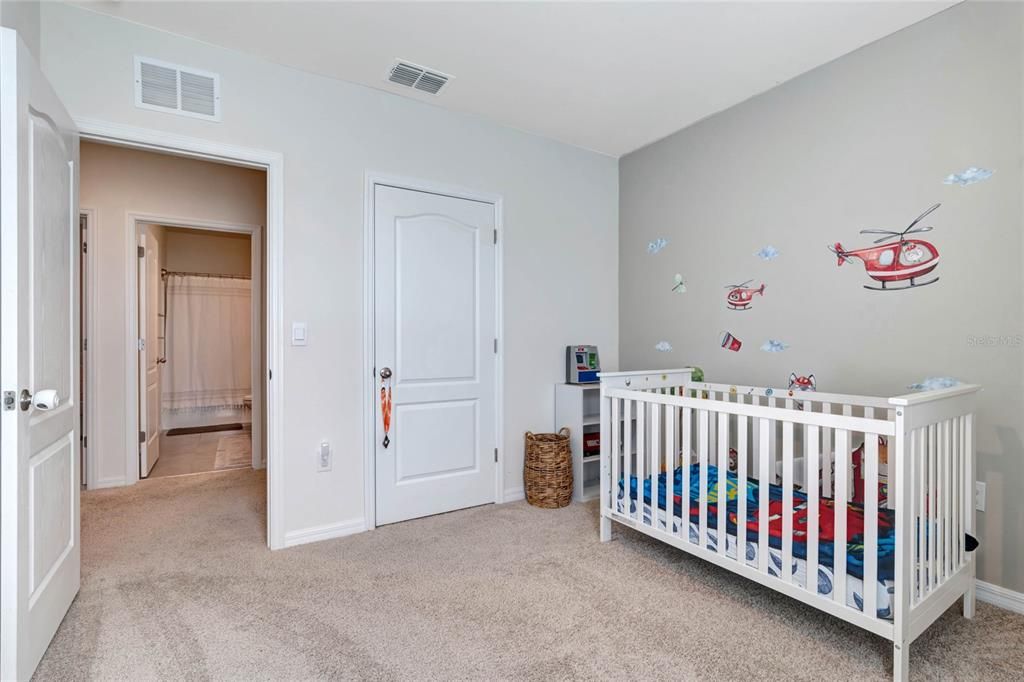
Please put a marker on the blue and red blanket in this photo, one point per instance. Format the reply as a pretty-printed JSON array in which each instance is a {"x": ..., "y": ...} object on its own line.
[{"x": 826, "y": 518}]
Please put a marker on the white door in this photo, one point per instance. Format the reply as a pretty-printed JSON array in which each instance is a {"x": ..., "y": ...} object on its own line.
[
  {"x": 39, "y": 337},
  {"x": 149, "y": 353},
  {"x": 435, "y": 332}
]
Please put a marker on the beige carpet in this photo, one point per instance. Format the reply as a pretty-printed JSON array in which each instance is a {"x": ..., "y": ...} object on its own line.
[{"x": 177, "y": 584}]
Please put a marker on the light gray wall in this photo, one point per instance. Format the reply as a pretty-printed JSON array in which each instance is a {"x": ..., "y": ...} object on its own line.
[
  {"x": 560, "y": 246},
  {"x": 863, "y": 142},
  {"x": 23, "y": 17}
]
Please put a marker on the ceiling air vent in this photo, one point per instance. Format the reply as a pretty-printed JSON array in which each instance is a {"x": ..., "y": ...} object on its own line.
[
  {"x": 175, "y": 89},
  {"x": 418, "y": 77}
]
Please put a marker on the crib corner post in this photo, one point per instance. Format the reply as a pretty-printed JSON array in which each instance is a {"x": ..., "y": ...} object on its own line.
[
  {"x": 904, "y": 560},
  {"x": 605, "y": 495},
  {"x": 900, "y": 661}
]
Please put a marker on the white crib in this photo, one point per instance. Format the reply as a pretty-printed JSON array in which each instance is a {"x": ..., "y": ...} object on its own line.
[{"x": 659, "y": 420}]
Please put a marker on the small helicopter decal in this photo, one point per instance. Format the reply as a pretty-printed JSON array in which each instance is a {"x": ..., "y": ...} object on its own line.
[
  {"x": 740, "y": 297},
  {"x": 801, "y": 383},
  {"x": 902, "y": 260}
]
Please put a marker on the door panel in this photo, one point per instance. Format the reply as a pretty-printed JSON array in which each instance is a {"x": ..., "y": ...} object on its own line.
[
  {"x": 435, "y": 328},
  {"x": 39, "y": 350}
]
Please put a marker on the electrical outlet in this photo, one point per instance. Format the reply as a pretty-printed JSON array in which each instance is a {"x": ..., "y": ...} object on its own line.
[
  {"x": 979, "y": 495},
  {"x": 323, "y": 460}
]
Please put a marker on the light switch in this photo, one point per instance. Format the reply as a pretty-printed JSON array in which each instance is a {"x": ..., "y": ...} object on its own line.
[{"x": 298, "y": 333}]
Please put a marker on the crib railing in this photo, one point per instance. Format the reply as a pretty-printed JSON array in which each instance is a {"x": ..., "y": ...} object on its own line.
[{"x": 653, "y": 423}]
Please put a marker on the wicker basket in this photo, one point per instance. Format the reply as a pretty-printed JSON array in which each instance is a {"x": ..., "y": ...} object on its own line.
[{"x": 548, "y": 469}]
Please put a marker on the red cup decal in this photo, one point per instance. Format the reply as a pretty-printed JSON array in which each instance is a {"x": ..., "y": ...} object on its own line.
[{"x": 731, "y": 342}]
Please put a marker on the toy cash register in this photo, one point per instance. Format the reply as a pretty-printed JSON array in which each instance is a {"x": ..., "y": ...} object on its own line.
[{"x": 581, "y": 365}]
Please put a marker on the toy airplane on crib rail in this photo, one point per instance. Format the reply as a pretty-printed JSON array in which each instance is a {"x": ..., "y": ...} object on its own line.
[{"x": 903, "y": 260}]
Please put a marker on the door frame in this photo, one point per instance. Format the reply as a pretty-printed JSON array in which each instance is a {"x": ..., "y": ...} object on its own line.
[
  {"x": 133, "y": 224},
  {"x": 274, "y": 382},
  {"x": 369, "y": 383},
  {"x": 88, "y": 300}
]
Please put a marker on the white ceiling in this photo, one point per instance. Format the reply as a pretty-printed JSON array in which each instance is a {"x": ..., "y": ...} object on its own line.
[{"x": 611, "y": 77}]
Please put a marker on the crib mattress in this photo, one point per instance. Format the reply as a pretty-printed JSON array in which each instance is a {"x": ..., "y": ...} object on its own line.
[{"x": 825, "y": 577}]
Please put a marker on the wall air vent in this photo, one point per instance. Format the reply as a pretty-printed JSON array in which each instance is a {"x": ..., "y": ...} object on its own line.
[
  {"x": 418, "y": 77},
  {"x": 175, "y": 89}
]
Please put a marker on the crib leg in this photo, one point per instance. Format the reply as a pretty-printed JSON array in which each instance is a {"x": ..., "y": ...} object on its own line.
[
  {"x": 606, "y": 529},
  {"x": 969, "y": 599},
  {"x": 900, "y": 662}
]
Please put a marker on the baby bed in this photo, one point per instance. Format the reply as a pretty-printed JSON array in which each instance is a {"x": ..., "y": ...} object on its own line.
[{"x": 790, "y": 521}]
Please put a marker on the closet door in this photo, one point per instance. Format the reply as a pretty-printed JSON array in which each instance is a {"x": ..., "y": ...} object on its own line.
[{"x": 434, "y": 352}]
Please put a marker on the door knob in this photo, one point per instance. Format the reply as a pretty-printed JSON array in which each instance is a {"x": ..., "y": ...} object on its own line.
[
  {"x": 385, "y": 373},
  {"x": 44, "y": 400}
]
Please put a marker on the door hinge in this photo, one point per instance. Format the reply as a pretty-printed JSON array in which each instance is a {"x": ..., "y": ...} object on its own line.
[
  {"x": 495, "y": 236},
  {"x": 85, "y": 247},
  {"x": 270, "y": 375},
  {"x": 495, "y": 345},
  {"x": 142, "y": 344},
  {"x": 142, "y": 252},
  {"x": 495, "y": 454},
  {"x": 85, "y": 344},
  {"x": 85, "y": 442},
  {"x": 142, "y": 436}
]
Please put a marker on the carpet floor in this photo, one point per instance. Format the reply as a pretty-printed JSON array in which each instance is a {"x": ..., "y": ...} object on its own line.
[{"x": 177, "y": 583}]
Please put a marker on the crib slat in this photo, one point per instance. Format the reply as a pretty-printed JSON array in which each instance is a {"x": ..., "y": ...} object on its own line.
[
  {"x": 826, "y": 454},
  {"x": 686, "y": 456},
  {"x": 655, "y": 460},
  {"x": 940, "y": 502},
  {"x": 965, "y": 499},
  {"x": 954, "y": 426},
  {"x": 773, "y": 454},
  {"x": 811, "y": 459},
  {"x": 702, "y": 494},
  {"x": 722, "y": 482},
  {"x": 947, "y": 556},
  {"x": 839, "y": 509},
  {"x": 932, "y": 495},
  {"x": 787, "y": 498},
  {"x": 919, "y": 443},
  {"x": 671, "y": 456},
  {"x": 764, "y": 426},
  {"x": 870, "y": 592},
  {"x": 741, "y": 489},
  {"x": 627, "y": 455},
  {"x": 912, "y": 491},
  {"x": 616, "y": 449},
  {"x": 641, "y": 456}
]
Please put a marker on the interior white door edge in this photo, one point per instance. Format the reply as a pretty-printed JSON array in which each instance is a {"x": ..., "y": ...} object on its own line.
[{"x": 443, "y": 449}]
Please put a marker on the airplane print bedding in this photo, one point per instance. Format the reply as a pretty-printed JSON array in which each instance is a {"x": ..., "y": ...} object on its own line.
[{"x": 825, "y": 576}]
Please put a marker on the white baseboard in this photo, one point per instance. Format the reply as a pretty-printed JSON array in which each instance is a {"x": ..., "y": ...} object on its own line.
[
  {"x": 999, "y": 596},
  {"x": 108, "y": 483},
  {"x": 513, "y": 494},
  {"x": 326, "y": 532}
]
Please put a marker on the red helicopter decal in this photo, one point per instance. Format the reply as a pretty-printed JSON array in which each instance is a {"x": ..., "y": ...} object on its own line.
[
  {"x": 740, "y": 297},
  {"x": 902, "y": 260}
]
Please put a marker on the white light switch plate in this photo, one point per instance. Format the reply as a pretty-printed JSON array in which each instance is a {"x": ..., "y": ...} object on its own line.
[
  {"x": 979, "y": 495},
  {"x": 299, "y": 333}
]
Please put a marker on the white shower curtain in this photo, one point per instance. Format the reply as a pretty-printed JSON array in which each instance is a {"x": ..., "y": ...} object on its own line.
[{"x": 208, "y": 342}]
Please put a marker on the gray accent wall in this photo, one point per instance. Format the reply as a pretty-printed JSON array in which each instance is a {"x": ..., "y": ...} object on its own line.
[{"x": 862, "y": 142}]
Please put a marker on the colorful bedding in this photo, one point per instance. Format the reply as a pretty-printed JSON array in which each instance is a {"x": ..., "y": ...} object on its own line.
[{"x": 826, "y": 518}]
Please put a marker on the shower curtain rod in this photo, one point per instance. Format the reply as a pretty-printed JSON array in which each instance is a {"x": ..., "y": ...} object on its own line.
[{"x": 164, "y": 273}]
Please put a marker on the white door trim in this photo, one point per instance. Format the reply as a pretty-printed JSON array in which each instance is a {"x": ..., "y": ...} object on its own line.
[
  {"x": 133, "y": 220},
  {"x": 369, "y": 383},
  {"x": 273, "y": 164},
  {"x": 89, "y": 303}
]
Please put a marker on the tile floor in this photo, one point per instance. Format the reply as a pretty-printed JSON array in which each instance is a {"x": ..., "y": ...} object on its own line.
[{"x": 189, "y": 454}]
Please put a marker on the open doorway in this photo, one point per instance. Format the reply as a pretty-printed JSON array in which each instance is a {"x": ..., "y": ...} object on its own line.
[
  {"x": 199, "y": 308},
  {"x": 182, "y": 241}
]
